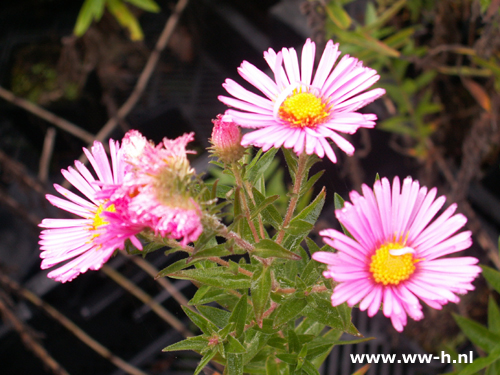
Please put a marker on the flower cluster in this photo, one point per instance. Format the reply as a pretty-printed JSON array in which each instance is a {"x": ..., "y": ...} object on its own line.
[
  {"x": 144, "y": 188},
  {"x": 392, "y": 253}
]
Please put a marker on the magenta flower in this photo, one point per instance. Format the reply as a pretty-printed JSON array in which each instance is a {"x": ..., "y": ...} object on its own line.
[
  {"x": 298, "y": 111},
  {"x": 154, "y": 194},
  {"x": 77, "y": 240},
  {"x": 226, "y": 140},
  {"x": 394, "y": 255}
]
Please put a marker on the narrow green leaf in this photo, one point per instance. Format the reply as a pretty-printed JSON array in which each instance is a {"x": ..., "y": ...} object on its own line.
[
  {"x": 264, "y": 204},
  {"x": 261, "y": 291},
  {"x": 204, "y": 361},
  {"x": 200, "y": 321},
  {"x": 254, "y": 172},
  {"x": 196, "y": 344},
  {"x": 217, "y": 316},
  {"x": 174, "y": 267},
  {"x": 311, "y": 213},
  {"x": 492, "y": 276},
  {"x": 270, "y": 249},
  {"x": 293, "y": 340},
  {"x": 289, "y": 310},
  {"x": 299, "y": 228},
  {"x": 385, "y": 17},
  {"x": 206, "y": 294},
  {"x": 493, "y": 316},
  {"x": 308, "y": 368},
  {"x": 90, "y": 10},
  {"x": 216, "y": 251},
  {"x": 272, "y": 366},
  {"x": 291, "y": 359},
  {"x": 310, "y": 183},
  {"x": 270, "y": 214},
  {"x": 481, "y": 363},
  {"x": 147, "y": 5},
  {"x": 234, "y": 346},
  {"x": 338, "y": 15},
  {"x": 338, "y": 201},
  {"x": 291, "y": 161},
  {"x": 234, "y": 364},
  {"x": 125, "y": 18},
  {"x": 216, "y": 276},
  {"x": 477, "y": 333},
  {"x": 239, "y": 315}
]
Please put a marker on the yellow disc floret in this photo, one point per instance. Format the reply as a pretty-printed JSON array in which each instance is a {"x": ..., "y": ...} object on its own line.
[
  {"x": 304, "y": 110},
  {"x": 391, "y": 269},
  {"x": 98, "y": 219}
]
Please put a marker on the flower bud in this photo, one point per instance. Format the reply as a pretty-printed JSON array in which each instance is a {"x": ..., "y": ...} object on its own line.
[{"x": 226, "y": 140}]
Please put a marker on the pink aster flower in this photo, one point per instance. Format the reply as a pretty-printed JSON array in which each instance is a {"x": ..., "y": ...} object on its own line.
[
  {"x": 154, "y": 194},
  {"x": 395, "y": 254},
  {"x": 226, "y": 139},
  {"x": 298, "y": 111},
  {"x": 77, "y": 240}
]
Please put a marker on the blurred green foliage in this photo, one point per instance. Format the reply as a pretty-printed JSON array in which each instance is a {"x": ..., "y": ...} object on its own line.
[{"x": 92, "y": 10}]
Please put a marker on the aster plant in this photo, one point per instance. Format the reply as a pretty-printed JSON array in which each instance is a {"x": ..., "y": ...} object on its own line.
[{"x": 270, "y": 300}]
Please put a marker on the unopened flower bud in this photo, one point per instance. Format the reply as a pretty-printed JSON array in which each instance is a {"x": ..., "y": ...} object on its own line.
[{"x": 226, "y": 139}]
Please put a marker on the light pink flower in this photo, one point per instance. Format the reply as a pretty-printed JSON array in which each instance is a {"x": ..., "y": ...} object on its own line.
[
  {"x": 154, "y": 194},
  {"x": 394, "y": 257},
  {"x": 299, "y": 111},
  {"x": 77, "y": 240}
]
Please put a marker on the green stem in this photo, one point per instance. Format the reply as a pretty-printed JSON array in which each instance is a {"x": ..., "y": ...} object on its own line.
[
  {"x": 301, "y": 169},
  {"x": 241, "y": 186}
]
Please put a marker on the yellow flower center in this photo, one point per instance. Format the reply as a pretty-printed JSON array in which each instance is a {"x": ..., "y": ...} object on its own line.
[
  {"x": 98, "y": 219},
  {"x": 392, "y": 269},
  {"x": 304, "y": 110}
]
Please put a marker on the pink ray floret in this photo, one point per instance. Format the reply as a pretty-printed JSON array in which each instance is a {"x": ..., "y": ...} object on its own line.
[
  {"x": 154, "y": 194},
  {"x": 77, "y": 240},
  {"x": 298, "y": 111},
  {"x": 395, "y": 255}
]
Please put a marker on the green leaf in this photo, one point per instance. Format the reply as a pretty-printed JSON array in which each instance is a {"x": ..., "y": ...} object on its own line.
[
  {"x": 216, "y": 276},
  {"x": 293, "y": 340},
  {"x": 272, "y": 366},
  {"x": 311, "y": 213},
  {"x": 299, "y": 228},
  {"x": 221, "y": 191},
  {"x": 174, "y": 267},
  {"x": 125, "y": 18},
  {"x": 206, "y": 294},
  {"x": 147, "y": 5},
  {"x": 204, "y": 361},
  {"x": 338, "y": 201},
  {"x": 234, "y": 364},
  {"x": 239, "y": 315},
  {"x": 217, "y": 316},
  {"x": 308, "y": 368},
  {"x": 321, "y": 310},
  {"x": 385, "y": 17},
  {"x": 270, "y": 214},
  {"x": 289, "y": 310},
  {"x": 196, "y": 344},
  {"x": 262, "y": 205},
  {"x": 234, "y": 346},
  {"x": 481, "y": 363},
  {"x": 216, "y": 251},
  {"x": 269, "y": 249},
  {"x": 338, "y": 15},
  {"x": 477, "y": 333},
  {"x": 291, "y": 161},
  {"x": 492, "y": 276},
  {"x": 291, "y": 359},
  {"x": 90, "y": 10},
  {"x": 261, "y": 291},
  {"x": 200, "y": 321},
  {"x": 256, "y": 170},
  {"x": 493, "y": 316}
]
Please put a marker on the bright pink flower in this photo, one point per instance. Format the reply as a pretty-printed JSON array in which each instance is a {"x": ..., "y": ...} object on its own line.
[
  {"x": 298, "y": 111},
  {"x": 154, "y": 194},
  {"x": 393, "y": 258},
  {"x": 77, "y": 240},
  {"x": 226, "y": 139}
]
